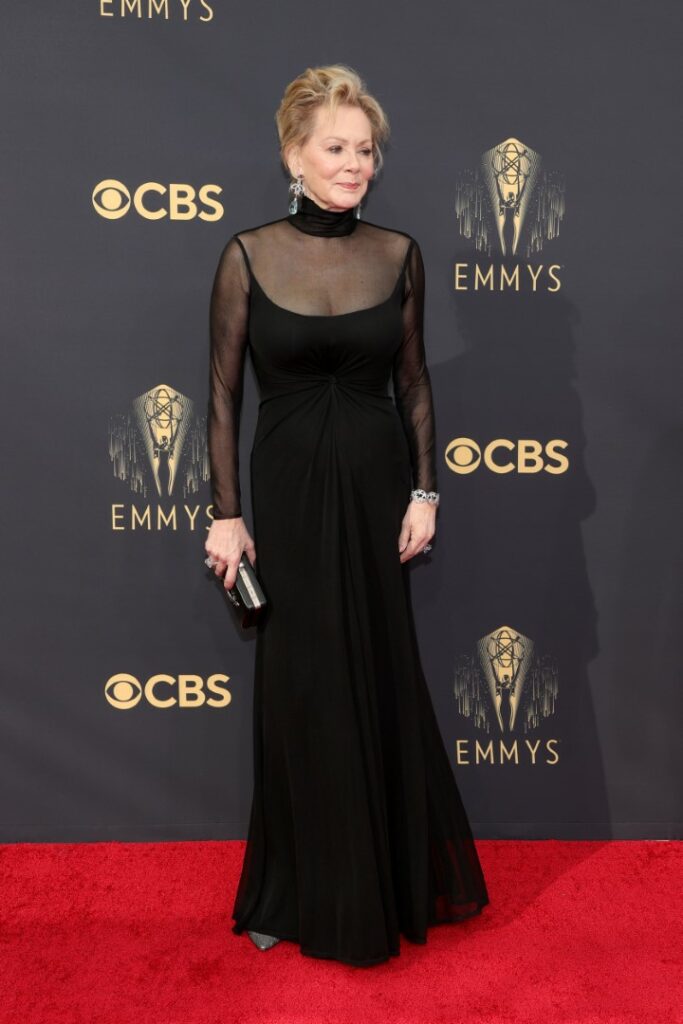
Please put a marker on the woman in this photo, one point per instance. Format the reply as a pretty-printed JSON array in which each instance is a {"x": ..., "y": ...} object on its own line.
[{"x": 357, "y": 830}]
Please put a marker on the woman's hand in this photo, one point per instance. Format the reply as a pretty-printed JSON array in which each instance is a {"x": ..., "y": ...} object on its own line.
[
  {"x": 417, "y": 529},
  {"x": 225, "y": 541}
]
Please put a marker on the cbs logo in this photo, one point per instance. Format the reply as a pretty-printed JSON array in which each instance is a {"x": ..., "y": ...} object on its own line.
[
  {"x": 463, "y": 455},
  {"x": 124, "y": 691},
  {"x": 112, "y": 200}
]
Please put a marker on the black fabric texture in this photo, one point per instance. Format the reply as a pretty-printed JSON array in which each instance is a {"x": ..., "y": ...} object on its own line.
[{"x": 357, "y": 831}]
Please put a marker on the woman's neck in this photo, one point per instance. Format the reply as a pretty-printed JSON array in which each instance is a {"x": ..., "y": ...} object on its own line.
[{"x": 317, "y": 220}]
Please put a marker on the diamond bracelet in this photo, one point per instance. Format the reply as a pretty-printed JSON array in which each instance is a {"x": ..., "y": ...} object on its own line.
[{"x": 419, "y": 495}]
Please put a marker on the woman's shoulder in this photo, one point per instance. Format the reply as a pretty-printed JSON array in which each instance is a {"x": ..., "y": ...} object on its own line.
[
  {"x": 266, "y": 228},
  {"x": 242, "y": 243},
  {"x": 394, "y": 241},
  {"x": 382, "y": 229}
]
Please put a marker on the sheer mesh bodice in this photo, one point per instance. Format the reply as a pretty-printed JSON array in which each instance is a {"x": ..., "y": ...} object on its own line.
[{"x": 318, "y": 264}]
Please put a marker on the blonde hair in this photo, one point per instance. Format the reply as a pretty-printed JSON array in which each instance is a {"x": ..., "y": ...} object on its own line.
[{"x": 327, "y": 87}]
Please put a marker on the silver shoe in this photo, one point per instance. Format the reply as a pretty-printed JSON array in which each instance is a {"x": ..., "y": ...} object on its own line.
[{"x": 261, "y": 940}]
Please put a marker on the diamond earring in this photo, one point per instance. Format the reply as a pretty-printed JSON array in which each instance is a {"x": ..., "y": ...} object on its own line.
[{"x": 296, "y": 189}]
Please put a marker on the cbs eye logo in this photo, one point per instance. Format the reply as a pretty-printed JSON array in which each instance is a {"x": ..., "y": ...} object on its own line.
[
  {"x": 463, "y": 455},
  {"x": 112, "y": 200},
  {"x": 124, "y": 691}
]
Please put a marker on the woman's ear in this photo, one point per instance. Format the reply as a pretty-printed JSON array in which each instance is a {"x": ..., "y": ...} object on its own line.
[{"x": 291, "y": 155}]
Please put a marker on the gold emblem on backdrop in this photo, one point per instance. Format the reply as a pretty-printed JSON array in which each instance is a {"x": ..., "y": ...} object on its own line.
[
  {"x": 152, "y": 200},
  {"x": 526, "y": 456},
  {"x": 160, "y": 445},
  {"x": 506, "y": 687},
  {"x": 159, "y": 449},
  {"x": 124, "y": 691},
  {"x": 510, "y": 202},
  {"x": 507, "y": 690}
]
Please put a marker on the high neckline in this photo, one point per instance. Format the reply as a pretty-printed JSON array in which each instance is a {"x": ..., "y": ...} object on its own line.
[{"x": 316, "y": 220}]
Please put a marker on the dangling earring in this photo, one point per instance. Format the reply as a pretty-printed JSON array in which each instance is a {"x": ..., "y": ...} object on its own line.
[{"x": 297, "y": 189}]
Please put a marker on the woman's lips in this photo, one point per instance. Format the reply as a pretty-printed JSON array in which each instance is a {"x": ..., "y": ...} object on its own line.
[{"x": 350, "y": 185}]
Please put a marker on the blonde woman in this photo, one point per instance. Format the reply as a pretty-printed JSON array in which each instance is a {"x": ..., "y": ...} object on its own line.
[{"x": 357, "y": 831}]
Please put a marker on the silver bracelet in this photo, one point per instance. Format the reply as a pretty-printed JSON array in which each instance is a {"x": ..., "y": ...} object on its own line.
[{"x": 419, "y": 495}]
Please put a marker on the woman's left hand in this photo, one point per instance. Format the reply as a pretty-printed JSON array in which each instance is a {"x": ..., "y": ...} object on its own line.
[{"x": 417, "y": 529}]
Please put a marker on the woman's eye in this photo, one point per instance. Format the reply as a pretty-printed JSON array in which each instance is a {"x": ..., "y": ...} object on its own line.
[{"x": 333, "y": 149}]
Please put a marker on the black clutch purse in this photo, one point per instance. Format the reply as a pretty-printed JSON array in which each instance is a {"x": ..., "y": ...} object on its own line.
[{"x": 246, "y": 597}]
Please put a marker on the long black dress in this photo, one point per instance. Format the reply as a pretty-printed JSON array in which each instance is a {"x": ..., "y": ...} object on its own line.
[{"x": 357, "y": 829}]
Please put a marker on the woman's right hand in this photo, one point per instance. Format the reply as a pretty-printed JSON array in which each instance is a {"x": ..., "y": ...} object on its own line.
[{"x": 225, "y": 542}]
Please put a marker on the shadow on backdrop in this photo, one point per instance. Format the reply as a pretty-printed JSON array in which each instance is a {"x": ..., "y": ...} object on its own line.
[{"x": 509, "y": 553}]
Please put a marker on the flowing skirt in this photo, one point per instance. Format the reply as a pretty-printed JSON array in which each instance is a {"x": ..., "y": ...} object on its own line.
[{"x": 357, "y": 830}]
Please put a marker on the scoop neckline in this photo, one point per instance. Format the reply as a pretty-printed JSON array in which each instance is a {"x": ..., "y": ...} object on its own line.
[{"x": 329, "y": 316}]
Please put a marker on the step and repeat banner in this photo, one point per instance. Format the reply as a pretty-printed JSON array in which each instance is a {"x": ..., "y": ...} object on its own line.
[{"x": 533, "y": 156}]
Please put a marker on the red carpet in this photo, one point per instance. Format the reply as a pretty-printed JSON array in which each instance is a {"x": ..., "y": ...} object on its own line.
[{"x": 578, "y": 932}]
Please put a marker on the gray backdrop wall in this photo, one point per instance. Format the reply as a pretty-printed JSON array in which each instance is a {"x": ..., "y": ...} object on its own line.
[{"x": 534, "y": 156}]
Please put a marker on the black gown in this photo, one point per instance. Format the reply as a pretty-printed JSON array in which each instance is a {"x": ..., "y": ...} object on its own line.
[{"x": 357, "y": 830}]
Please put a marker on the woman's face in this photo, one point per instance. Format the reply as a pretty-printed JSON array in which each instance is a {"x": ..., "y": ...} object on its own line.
[{"x": 338, "y": 153}]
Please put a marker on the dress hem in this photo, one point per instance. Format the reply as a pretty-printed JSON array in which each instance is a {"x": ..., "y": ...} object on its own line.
[{"x": 239, "y": 929}]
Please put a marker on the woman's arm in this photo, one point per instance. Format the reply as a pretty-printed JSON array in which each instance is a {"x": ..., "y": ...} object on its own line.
[
  {"x": 229, "y": 318},
  {"x": 228, "y": 536},
  {"x": 413, "y": 397},
  {"x": 412, "y": 385}
]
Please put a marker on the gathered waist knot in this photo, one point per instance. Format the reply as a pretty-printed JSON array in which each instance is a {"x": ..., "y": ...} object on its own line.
[{"x": 325, "y": 379}]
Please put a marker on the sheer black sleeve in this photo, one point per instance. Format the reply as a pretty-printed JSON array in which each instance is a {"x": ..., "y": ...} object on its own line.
[
  {"x": 412, "y": 385},
  {"x": 229, "y": 319}
]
